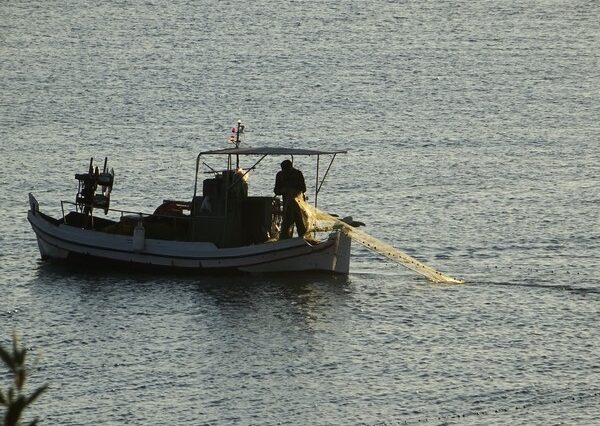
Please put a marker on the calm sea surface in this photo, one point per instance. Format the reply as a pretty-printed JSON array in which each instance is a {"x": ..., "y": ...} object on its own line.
[{"x": 473, "y": 136}]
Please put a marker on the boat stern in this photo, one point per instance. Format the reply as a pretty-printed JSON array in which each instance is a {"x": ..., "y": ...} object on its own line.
[
  {"x": 331, "y": 255},
  {"x": 341, "y": 259}
]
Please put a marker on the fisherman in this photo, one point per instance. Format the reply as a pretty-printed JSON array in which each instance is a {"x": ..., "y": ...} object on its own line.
[{"x": 289, "y": 183}]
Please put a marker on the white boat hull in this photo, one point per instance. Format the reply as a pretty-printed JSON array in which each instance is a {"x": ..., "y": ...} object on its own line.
[{"x": 58, "y": 241}]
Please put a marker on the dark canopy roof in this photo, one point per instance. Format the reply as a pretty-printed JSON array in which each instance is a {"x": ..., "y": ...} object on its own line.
[{"x": 272, "y": 151}]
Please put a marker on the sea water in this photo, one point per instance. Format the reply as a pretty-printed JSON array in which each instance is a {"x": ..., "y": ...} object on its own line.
[{"x": 472, "y": 136}]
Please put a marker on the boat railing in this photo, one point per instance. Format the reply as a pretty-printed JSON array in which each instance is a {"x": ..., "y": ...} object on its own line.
[
  {"x": 91, "y": 207},
  {"x": 123, "y": 213}
]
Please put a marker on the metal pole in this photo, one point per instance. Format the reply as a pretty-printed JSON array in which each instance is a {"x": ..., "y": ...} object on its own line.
[
  {"x": 196, "y": 179},
  {"x": 317, "y": 181},
  {"x": 326, "y": 172}
]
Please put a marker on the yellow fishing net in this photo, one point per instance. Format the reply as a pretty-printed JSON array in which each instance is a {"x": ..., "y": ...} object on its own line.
[{"x": 322, "y": 221}]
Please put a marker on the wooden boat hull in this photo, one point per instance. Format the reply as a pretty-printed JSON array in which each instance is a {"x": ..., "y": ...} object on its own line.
[{"x": 57, "y": 241}]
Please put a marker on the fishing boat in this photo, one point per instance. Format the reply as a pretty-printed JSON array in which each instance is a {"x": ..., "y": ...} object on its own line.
[{"x": 221, "y": 227}]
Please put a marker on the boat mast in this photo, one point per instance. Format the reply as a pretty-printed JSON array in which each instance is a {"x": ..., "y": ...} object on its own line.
[{"x": 235, "y": 138}]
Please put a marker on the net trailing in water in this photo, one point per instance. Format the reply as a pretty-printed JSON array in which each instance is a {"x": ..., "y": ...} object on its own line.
[{"x": 324, "y": 221}]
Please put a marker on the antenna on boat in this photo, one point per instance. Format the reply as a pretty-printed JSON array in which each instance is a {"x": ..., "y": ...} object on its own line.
[
  {"x": 235, "y": 138},
  {"x": 236, "y": 133}
]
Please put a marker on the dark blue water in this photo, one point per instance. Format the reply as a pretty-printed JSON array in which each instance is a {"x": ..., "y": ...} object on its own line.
[{"x": 472, "y": 130}]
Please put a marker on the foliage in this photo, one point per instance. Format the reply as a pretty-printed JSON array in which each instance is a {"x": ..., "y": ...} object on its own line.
[{"x": 14, "y": 399}]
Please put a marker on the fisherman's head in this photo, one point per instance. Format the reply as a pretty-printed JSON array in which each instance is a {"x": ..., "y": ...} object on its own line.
[{"x": 286, "y": 165}]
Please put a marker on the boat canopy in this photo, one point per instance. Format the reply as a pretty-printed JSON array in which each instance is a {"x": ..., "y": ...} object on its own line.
[
  {"x": 266, "y": 151},
  {"x": 271, "y": 151}
]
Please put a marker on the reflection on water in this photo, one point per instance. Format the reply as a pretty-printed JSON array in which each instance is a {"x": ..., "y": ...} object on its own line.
[{"x": 306, "y": 297}]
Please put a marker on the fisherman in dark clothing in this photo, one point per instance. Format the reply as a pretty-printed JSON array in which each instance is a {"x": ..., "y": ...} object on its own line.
[{"x": 289, "y": 183}]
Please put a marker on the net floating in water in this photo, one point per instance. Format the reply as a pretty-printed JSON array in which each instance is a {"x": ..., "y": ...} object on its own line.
[{"x": 328, "y": 221}]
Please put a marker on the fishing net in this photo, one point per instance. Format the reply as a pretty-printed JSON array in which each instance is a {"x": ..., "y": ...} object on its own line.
[{"x": 321, "y": 221}]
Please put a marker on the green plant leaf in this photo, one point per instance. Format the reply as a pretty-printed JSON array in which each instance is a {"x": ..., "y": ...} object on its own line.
[
  {"x": 36, "y": 394},
  {"x": 13, "y": 398},
  {"x": 7, "y": 358},
  {"x": 20, "y": 376},
  {"x": 13, "y": 414},
  {"x": 20, "y": 356}
]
